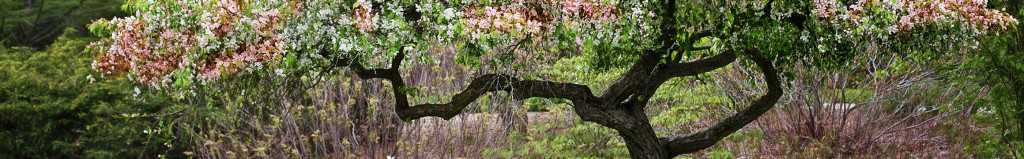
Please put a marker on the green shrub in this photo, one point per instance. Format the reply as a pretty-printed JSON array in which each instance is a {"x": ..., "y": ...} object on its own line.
[
  {"x": 720, "y": 154},
  {"x": 584, "y": 140},
  {"x": 51, "y": 107}
]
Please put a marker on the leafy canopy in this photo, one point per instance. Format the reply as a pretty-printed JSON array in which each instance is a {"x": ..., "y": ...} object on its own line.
[{"x": 180, "y": 44}]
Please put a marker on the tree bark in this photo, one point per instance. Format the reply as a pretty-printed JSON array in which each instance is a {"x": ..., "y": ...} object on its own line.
[{"x": 642, "y": 142}]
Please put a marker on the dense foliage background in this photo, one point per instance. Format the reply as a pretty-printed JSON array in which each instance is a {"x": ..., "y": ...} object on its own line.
[
  {"x": 53, "y": 107},
  {"x": 37, "y": 23}
]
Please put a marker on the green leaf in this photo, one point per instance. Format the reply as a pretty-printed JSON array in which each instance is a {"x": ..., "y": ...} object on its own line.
[
  {"x": 290, "y": 60},
  {"x": 730, "y": 17}
]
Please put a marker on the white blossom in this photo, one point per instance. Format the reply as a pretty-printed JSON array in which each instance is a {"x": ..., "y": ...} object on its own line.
[
  {"x": 449, "y": 13},
  {"x": 90, "y": 78},
  {"x": 324, "y": 12},
  {"x": 279, "y": 72},
  {"x": 423, "y": 8}
]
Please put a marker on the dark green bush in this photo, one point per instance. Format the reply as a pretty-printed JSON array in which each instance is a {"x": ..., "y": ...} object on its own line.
[
  {"x": 51, "y": 106},
  {"x": 39, "y": 23}
]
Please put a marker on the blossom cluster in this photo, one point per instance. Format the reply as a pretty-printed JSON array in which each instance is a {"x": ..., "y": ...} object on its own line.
[
  {"x": 972, "y": 12},
  {"x": 509, "y": 18},
  {"x": 587, "y": 9},
  {"x": 364, "y": 17},
  {"x": 197, "y": 39},
  {"x": 132, "y": 50},
  {"x": 907, "y": 15}
]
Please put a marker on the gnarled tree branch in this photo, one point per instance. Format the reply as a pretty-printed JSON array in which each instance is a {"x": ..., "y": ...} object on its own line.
[
  {"x": 632, "y": 78},
  {"x": 706, "y": 138},
  {"x": 671, "y": 70},
  {"x": 625, "y": 86},
  {"x": 519, "y": 89}
]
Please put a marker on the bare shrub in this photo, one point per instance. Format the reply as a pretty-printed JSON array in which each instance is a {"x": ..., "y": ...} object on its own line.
[{"x": 871, "y": 109}]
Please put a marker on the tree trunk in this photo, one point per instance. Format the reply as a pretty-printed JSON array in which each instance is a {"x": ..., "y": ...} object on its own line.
[{"x": 642, "y": 142}]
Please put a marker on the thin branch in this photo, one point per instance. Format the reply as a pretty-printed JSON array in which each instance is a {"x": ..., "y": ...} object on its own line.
[{"x": 689, "y": 43}]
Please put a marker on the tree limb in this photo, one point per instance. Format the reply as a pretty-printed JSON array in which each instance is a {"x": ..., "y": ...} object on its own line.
[
  {"x": 707, "y": 138},
  {"x": 520, "y": 89},
  {"x": 625, "y": 86},
  {"x": 664, "y": 72},
  {"x": 632, "y": 79},
  {"x": 672, "y": 70}
]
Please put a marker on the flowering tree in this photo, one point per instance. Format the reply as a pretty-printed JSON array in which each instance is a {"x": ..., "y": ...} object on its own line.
[{"x": 177, "y": 45}]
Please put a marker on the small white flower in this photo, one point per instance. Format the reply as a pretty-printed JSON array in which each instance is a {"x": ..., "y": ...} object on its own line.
[
  {"x": 345, "y": 47},
  {"x": 397, "y": 10},
  {"x": 638, "y": 12},
  {"x": 279, "y": 72},
  {"x": 345, "y": 20},
  {"x": 449, "y": 13},
  {"x": 325, "y": 12},
  {"x": 423, "y": 8},
  {"x": 137, "y": 92}
]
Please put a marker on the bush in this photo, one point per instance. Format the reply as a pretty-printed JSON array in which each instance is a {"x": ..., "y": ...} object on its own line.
[{"x": 51, "y": 107}]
